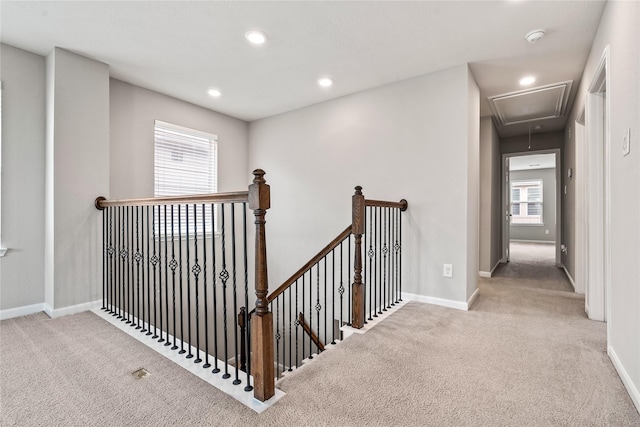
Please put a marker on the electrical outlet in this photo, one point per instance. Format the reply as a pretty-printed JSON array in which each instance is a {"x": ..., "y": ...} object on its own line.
[
  {"x": 447, "y": 270},
  {"x": 546, "y": 231}
]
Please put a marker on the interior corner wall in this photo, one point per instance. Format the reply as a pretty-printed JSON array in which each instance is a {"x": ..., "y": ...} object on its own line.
[
  {"x": 620, "y": 30},
  {"x": 473, "y": 184},
  {"x": 23, "y": 153},
  {"x": 133, "y": 112},
  {"x": 405, "y": 140},
  {"x": 77, "y": 171},
  {"x": 490, "y": 196}
]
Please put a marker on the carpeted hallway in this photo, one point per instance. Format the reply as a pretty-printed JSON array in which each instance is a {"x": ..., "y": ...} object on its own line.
[{"x": 525, "y": 355}]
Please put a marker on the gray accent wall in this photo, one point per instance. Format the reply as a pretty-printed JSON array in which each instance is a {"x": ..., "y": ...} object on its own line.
[
  {"x": 539, "y": 141},
  {"x": 416, "y": 139},
  {"x": 133, "y": 111},
  {"x": 490, "y": 196},
  {"x": 23, "y": 158},
  {"x": 538, "y": 232}
]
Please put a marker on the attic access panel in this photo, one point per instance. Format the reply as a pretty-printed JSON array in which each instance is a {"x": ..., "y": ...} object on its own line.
[{"x": 545, "y": 102}]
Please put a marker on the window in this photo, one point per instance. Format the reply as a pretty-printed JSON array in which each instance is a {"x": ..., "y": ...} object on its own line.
[
  {"x": 186, "y": 162},
  {"x": 526, "y": 202}
]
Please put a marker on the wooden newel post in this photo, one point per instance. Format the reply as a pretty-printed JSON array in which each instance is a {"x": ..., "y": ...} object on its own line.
[
  {"x": 262, "y": 358},
  {"x": 358, "y": 229}
]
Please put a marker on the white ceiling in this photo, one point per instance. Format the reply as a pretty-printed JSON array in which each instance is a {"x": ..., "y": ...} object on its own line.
[{"x": 183, "y": 48}]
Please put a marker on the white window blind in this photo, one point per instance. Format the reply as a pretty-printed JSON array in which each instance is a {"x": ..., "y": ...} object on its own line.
[
  {"x": 526, "y": 202},
  {"x": 185, "y": 163}
]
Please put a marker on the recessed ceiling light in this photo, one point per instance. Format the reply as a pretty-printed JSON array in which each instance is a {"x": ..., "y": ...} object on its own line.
[
  {"x": 535, "y": 35},
  {"x": 214, "y": 92},
  {"x": 325, "y": 81},
  {"x": 526, "y": 81},
  {"x": 255, "y": 37}
]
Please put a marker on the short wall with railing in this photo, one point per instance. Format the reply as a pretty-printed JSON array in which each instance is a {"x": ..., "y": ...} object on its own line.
[{"x": 178, "y": 269}]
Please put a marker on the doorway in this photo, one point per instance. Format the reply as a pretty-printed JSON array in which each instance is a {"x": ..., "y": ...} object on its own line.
[{"x": 531, "y": 201}]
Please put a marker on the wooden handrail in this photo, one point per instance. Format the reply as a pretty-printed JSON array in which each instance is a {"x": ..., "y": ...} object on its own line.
[
  {"x": 312, "y": 335},
  {"x": 233, "y": 197},
  {"x": 402, "y": 204},
  {"x": 324, "y": 252}
]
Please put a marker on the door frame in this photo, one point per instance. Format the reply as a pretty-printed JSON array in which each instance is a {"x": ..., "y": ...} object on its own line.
[
  {"x": 506, "y": 200},
  {"x": 597, "y": 179}
]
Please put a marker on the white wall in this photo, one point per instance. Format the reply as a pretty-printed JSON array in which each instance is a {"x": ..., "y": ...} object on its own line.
[
  {"x": 620, "y": 29},
  {"x": 23, "y": 134},
  {"x": 490, "y": 196},
  {"x": 537, "y": 232},
  {"x": 77, "y": 169},
  {"x": 473, "y": 183},
  {"x": 133, "y": 112},
  {"x": 412, "y": 139}
]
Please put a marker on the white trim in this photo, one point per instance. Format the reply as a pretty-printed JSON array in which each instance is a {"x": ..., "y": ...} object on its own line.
[
  {"x": 458, "y": 305},
  {"x": 25, "y": 310},
  {"x": 226, "y": 386},
  {"x": 369, "y": 324},
  {"x": 490, "y": 273},
  {"x": 473, "y": 298},
  {"x": 634, "y": 393},
  {"x": 72, "y": 309},
  {"x": 573, "y": 283}
]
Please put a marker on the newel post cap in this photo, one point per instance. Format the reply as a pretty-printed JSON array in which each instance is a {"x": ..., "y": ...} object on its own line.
[{"x": 259, "y": 192}]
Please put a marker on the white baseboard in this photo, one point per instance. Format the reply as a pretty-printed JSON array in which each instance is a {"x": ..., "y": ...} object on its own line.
[
  {"x": 25, "y": 310},
  {"x": 634, "y": 393},
  {"x": 458, "y": 305},
  {"x": 489, "y": 273},
  {"x": 569, "y": 277},
  {"x": 72, "y": 309},
  {"x": 473, "y": 297}
]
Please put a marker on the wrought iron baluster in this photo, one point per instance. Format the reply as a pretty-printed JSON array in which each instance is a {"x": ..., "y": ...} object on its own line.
[
  {"x": 374, "y": 261},
  {"x": 123, "y": 277},
  {"x": 290, "y": 330},
  {"x": 297, "y": 322},
  {"x": 311, "y": 310},
  {"x": 341, "y": 288},
  {"x": 384, "y": 259},
  {"x": 333, "y": 296},
  {"x": 236, "y": 381},
  {"x": 400, "y": 255},
  {"x": 277, "y": 336},
  {"x": 215, "y": 369},
  {"x": 173, "y": 264},
  {"x": 165, "y": 265},
  {"x": 298, "y": 314},
  {"x": 204, "y": 282},
  {"x": 186, "y": 243},
  {"x": 138, "y": 257},
  {"x": 396, "y": 247},
  {"x": 180, "y": 274},
  {"x": 131, "y": 294},
  {"x": 111, "y": 252},
  {"x": 247, "y": 322},
  {"x": 326, "y": 310},
  {"x": 380, "y": 286},
  {"x": 154, "y": 263},
  {"x": 224, "y": 276},
  {"x": 350, "y": 296},
  {"x": 196, "y": 269},
  {"x": 148, "y": 263}
]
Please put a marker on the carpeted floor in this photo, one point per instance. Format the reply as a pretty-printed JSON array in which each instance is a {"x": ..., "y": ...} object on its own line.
[{"x": 525, "y": 355}]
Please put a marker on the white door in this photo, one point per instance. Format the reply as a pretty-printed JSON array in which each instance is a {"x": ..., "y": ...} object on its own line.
[{"x": 506, "y": 209}]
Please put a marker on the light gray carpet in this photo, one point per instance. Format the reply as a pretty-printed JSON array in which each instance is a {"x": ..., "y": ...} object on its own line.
[{"x": 522, "y": 356}]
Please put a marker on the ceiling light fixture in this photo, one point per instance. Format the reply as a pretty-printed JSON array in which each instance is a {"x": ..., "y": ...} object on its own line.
[
  {"x": 325, "y": 81},
  {"x": 214, "y": 92},
  {"x": 526, "y": 81},
  {"x": 255, "y": 37},
  {"x": 535, "y": 35}
]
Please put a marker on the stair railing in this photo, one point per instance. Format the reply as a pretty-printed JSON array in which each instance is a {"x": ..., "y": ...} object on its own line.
[
  {"x": 312, "y": 305},
  {"x": 176, "y": 269}
]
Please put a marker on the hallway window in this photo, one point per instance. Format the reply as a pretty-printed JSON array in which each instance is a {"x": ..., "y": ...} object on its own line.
[
  {"x": 526, "y": 202},
  {"x": 186, "y": 162}
]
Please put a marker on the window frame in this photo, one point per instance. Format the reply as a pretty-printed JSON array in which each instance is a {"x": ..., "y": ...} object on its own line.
[
  {"x": 524, "y": 201},
  {"x": 212, "y": 184}
]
